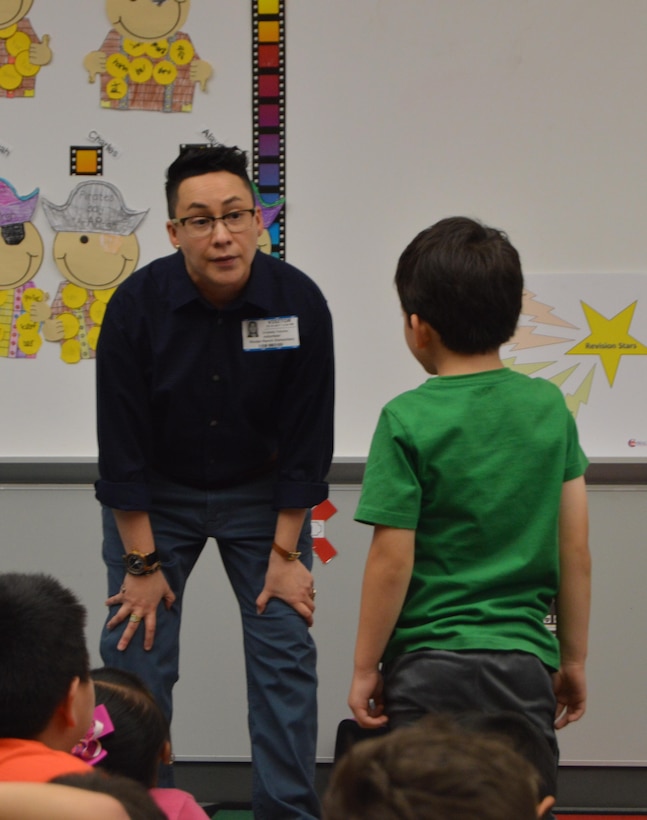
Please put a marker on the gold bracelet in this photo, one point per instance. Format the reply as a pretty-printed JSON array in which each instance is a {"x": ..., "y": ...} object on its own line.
[{"x": 289, "y": 556}]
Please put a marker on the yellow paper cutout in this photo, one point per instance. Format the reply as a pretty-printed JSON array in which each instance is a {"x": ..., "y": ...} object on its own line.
[
  {"x": 71, "y": 351},
  {"x": 74, "y": 296},
  {"x": 30, "y": 345},
  {"x": 93, "y": 337},
  {"x": 10, "y": 79},
  {"x": 165, "y": 73},
  {"x": 117, "y": 66},
  {"x": 70, "y": 325},
  {"x": 24, "y": 67},
  {"x": 19, "y": 42},
  {"x": 97, "y": 312}
]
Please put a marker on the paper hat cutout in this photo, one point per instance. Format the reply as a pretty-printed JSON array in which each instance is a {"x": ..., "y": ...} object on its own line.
[
  {"x": 16, "y": 209},
  {"x": 93, "y": 207},
  {"x": 268, "y": 212}
]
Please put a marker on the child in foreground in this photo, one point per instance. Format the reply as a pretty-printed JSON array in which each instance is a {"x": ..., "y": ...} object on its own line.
[
  {"x": 46, "y": 695},
  {"x": 434, "y": 771},
  {"x": 140, "y": 740},
  {"x": 475, "y": 486}
]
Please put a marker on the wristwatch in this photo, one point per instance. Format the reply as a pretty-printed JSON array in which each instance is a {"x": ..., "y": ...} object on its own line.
[
  {"x": 289, "y": 556},
  {"x": 139, "y": 563}
]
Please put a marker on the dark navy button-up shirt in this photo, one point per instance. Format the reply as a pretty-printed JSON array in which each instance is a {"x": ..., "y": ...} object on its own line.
[{"x": 178, "y": 394}]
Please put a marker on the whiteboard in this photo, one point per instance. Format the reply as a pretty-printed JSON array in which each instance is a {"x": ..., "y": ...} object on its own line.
[{"x": 523, "y": 115}]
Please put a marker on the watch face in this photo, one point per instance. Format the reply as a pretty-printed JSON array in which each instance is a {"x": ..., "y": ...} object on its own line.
[{"x": 136, "y": 563}]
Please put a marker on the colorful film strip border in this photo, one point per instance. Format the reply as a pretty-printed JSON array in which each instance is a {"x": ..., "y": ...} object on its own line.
[{"x": 268, "y": 55}]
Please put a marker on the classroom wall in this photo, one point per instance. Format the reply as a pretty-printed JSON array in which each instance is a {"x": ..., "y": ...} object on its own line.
[
  {"x": 527, "y": 115},
  {"x": 56, "y": 528}
]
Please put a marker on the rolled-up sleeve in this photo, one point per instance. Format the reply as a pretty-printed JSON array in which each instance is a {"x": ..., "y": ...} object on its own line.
[{"x": 124, "y": 426}]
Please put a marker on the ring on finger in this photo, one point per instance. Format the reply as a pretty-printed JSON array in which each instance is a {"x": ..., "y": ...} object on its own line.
[
  {"x": 313, "y": 592},
  {"x": 135, "y": 619}
]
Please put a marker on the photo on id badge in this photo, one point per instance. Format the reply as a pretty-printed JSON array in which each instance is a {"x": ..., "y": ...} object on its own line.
[{"x": 274, "y": 333}]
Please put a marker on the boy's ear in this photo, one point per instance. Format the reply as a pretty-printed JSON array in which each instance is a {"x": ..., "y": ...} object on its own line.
[
  {"x": 422, "y": 332},
  {"x": 66, "y": 708},
  {"x": 545, "y": 805}
]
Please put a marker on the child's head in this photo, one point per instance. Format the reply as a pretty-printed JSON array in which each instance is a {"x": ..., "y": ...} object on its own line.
[
  {"x": 135, "y": 799},
  {"x": 436, "y": 770},
  {"x": 464, "y": 279},
  {"x": 45, "y": 684},
  {"x": 524, "y": 737},
  {"x": 140, "y": 740}
]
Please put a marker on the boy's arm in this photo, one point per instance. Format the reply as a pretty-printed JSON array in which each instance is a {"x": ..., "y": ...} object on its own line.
[
  {"x": 573, "y": 603},
  {"x": 386, "y": 580}
]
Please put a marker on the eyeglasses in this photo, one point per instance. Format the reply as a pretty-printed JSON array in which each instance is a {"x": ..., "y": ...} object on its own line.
[{"x": 202, "y": 226}]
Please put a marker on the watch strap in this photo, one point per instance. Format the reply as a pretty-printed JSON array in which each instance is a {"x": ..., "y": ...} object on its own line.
[{"x": 289, "y": 556}]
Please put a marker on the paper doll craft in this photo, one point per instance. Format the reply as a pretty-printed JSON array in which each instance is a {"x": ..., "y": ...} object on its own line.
[
  {"x": 146, "y": 62},
  {"x": 95, "y": 249},
  {"x": 21, "y": 52},
  {"x": 21, "y": 255},
  {"x": 269, "y": 212}
]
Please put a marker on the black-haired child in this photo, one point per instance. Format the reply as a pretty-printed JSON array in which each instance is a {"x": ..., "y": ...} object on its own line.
[{"x": 140, "y": 739}]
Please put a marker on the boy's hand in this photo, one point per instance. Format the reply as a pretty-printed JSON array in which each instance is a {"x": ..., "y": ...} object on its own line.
[
  {"x": 569, "y": 685},
  {"x": 365, "y": 700}
]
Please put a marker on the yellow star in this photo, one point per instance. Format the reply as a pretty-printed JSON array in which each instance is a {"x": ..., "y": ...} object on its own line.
[{"x": 609, "y": 339}]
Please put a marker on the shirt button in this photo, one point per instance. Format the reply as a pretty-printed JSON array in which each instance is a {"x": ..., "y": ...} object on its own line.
[
  {"x": 216, "y": 377},
  {"x": 213, "y": 423}
]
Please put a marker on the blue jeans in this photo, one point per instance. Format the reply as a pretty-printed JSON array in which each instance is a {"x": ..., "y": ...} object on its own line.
[{"x": 280, "y": 655}]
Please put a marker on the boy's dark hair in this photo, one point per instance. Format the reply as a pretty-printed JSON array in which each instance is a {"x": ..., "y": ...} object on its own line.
[
  {"x": 42, "y": 650},
  {"x": 437, "y": 771},
  {"x": 135, "y": 799},
  {"x": 524, "y": 737},
  {"x": 465, "y": 280},
  {"x": 197, "y": 160},
  {"x": 141, "y": 729}
]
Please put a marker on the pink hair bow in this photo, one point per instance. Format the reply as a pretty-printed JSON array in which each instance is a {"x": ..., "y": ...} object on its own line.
[{"x": 89, "y": 748}]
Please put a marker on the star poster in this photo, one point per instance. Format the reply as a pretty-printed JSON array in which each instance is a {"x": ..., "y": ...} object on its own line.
[{"x": 588, "y": 335}]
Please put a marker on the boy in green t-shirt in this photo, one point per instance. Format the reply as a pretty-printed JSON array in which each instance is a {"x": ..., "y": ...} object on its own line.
[{"x": 475, "y": 486}]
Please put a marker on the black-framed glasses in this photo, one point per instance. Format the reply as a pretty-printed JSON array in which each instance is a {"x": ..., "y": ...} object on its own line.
[{"x": 202, "y": 226}]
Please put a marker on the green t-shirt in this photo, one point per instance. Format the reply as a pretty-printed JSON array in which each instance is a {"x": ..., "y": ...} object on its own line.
[{"x": 475, "y": 465}]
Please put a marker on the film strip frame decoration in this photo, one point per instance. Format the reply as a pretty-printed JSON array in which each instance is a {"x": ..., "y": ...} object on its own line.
[{"x": 268, "y": 78}]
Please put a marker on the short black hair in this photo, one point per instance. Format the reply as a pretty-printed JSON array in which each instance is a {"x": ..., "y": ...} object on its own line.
[
  {"x": 195, "y": 161},
  {"x": 465, "y": 280},
  {"x": 134, "y": 797},
  {"x": 42, "y": 650},
  {"x": 141, "y": 729}
]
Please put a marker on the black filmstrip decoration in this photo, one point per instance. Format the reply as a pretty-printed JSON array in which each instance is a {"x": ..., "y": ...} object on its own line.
[{"x": 268, "y": 78}]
